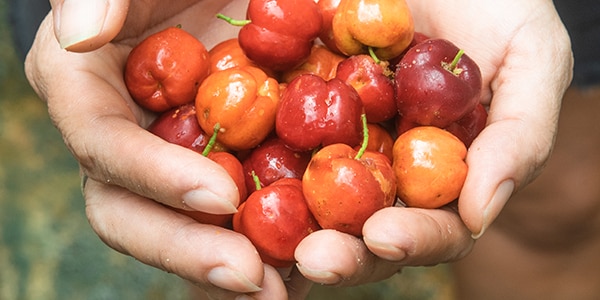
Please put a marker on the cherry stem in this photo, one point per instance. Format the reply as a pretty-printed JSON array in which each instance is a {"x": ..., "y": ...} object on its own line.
[
  {"x": 454, "y": 62},
  {"x": 365, "y": 141},
  {"x": 257, "y": 185},
  {"x": 212, "y": 141},
  {"x": 373, "y": 55},
  {"x": 233, "y": 21}
]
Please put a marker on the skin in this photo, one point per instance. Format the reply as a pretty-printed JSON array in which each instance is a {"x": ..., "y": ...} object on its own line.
[{"x": 525, "y": 58}]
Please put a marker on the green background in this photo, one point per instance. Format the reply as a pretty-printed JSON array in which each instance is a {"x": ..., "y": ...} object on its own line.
[{"x": 47, "y": 248}]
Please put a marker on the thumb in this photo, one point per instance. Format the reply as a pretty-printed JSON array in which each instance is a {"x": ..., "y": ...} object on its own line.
[{"x": 86, "y": 25}]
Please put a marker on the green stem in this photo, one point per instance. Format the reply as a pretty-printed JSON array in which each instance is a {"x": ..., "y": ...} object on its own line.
[
  {"x": 373, "y": 55},
  {"x": 212, "y": 141},
  {"x": 257, "y": 185},
  {"x": 365, "y": 141},
  {"x": 454, "y": 62},
  {"x": 233, "y": 21}
]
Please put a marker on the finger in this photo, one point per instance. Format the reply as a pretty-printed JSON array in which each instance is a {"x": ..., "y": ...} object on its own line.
[
  {"x": 415, "y": 237},
  {"x": 130, "y": 156},
  {"x": 522, "y": 121},
  {"x": 99, "y": 122},
  {"x": 287, "y": 283},
  {"x": 87, "y": 25},
  {"x": 273, "y": 288},
  {"x": 335, "y": 258},
  {"x": 215, "y": 258}
]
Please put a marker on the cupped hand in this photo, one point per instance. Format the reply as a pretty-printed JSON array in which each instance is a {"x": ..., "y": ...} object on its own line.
[
  {"x": 524, "y": 54},
  {"x": 131, "y": 176}
]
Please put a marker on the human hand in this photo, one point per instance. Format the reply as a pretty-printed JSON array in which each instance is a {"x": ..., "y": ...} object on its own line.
[
  {"x": 524, "y": 54},
  {"x": 124, "y": 165}
]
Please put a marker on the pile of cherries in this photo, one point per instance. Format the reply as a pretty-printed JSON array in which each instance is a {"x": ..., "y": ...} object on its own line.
[{"x": 319, "y": 125}]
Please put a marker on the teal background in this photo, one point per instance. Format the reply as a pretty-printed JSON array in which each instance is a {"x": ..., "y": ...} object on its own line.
[{"x": 47, "y": 248}]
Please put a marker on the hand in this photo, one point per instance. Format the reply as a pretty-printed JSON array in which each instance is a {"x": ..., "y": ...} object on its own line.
[
  {"x": 524, "y": 81},
  {"x": 125, "y": 166},
  {"x": 525, "y": 57}
]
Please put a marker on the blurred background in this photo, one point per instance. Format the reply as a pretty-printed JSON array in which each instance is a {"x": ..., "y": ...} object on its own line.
[{"x": 47, "y": 248}]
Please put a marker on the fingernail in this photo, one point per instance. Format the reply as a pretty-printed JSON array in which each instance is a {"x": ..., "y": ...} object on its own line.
[
  {"x": 491, "y": 211},
  {"x": 243, "y": 297},
  {"x": 228, "y": 279},
  {"x": 80, "y": 20},
  {"x": 323, "y": 277},
  {"x": 209, "y": 202},
  {"x": 385, "y": 250}
]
